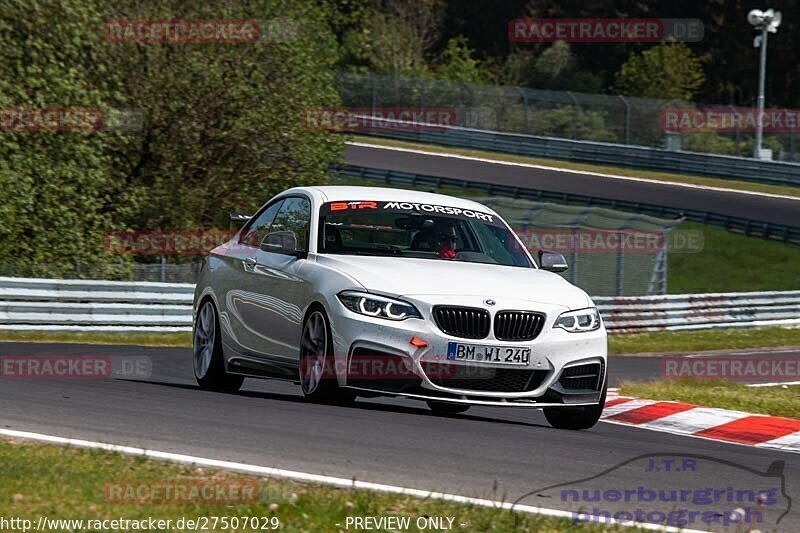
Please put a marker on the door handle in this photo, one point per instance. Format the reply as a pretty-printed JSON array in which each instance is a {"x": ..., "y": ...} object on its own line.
[{"x": 249, "y": 262}]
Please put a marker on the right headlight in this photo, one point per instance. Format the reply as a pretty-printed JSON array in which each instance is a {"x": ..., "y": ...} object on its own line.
[
  {"x": 378, "y": 306},
  {"x": 578, "y": 321}
]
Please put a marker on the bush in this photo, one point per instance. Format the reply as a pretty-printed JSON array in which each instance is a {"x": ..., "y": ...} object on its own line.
[{"x": 220, "y": 125}]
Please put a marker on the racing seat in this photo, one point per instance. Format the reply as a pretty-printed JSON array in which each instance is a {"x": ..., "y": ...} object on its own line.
[
  {"x": 333, "y": 239},
  {"x": 425, "y": 240}
]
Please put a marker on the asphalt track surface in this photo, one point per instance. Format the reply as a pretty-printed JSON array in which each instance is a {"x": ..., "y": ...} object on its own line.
[
  {"x": 760, "y": 208},
  {"x": 487, "y": 452}
]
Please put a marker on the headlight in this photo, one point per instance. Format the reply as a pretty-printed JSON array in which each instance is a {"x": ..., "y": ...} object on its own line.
[
  {"x": 580, "y": 320},
  {"x": 378, "y": 306}
]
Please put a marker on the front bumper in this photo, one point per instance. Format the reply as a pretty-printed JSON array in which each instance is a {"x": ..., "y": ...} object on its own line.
[{"x": 409, "y": 374}]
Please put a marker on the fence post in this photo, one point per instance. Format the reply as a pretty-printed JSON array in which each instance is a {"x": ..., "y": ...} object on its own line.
[
  {"x": 575, "y": 119},
  {"x": 521, "y": 91},
  {"x": 472, "y": 114},
  {"x": 627, "y": 119},
  {"x": 374, "y": 95}
]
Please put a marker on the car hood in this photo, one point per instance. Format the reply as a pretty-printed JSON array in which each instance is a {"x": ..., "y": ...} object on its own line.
[{"x": 415, "y": 277}]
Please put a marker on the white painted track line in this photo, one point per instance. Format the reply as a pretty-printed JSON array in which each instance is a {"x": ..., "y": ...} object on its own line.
[
  {"x": 321, "y": 479},
  {"x": 574, "y": 171}
]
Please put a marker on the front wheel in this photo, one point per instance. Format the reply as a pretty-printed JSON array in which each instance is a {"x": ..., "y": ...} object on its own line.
[
  {"x": 576, "y": 418},
  {"x": 317, "y": 370},
  {"x": 209, "y": 366}
]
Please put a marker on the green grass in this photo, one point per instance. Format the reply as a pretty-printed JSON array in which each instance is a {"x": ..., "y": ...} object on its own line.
[
  {"x": 618, "y": 344},
  {"x": 68, "y": 483},
  {"x": 605, "y": 169},
  {"x": 135, "y": 339},
  {"x": 776, "y": 401},
  {"x": 730, "y": 262},
  {"x": 709, "y": 339}
]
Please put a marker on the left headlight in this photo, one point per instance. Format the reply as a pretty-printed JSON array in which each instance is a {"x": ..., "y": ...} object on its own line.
[
  {"x": 378, "y": 306},
  {"x": 581, "y": 320}
]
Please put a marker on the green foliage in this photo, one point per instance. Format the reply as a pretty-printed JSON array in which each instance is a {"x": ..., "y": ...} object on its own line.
[
  {"x": 56, "y": 189},
  {"x": 709, "y": 141},
  {"x": 668, "y": 71},
  {"x": 400, "y": 35},
  {"x": 220, "y": 125},
  {"x": 457, "y": 64},
  {"x": 564, "y": 122},
  {"x": 556, "y": 67}
]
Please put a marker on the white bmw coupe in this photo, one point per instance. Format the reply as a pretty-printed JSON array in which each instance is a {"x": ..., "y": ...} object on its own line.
[{"x": 368, "y": 291}]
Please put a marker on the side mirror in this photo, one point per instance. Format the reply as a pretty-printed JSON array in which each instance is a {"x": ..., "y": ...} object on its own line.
[
  {"x": 281, "y": 242},
  {"x": 552, "y": 262},
  {"x": 239, "y": 218}
]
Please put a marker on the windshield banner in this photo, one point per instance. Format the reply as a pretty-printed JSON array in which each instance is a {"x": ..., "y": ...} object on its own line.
[{"x": 332, "y": 208}]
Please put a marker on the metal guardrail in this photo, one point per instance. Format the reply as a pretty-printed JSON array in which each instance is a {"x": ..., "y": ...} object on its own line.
[
  {"x": 89, "y": 305},
  {"x": 639, "y": 157},
  {"x": 674, "y": 312},
  {"x": 749, "y": 227},
  {"x": 81, "y": 305}
]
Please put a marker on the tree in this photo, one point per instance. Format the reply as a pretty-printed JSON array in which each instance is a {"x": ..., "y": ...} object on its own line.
[
  {"x": 401, "y": 34},
  {"x": 667, "y": 71},
  {"x": 457, "y": 64},
  {"x": 221, "y": 126}
]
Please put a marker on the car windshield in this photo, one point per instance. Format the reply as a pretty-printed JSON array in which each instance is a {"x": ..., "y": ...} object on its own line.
[{"x": 403, "y": 229}]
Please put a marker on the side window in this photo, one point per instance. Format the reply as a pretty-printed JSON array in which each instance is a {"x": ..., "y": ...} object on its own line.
[
  {"x": 257, "y": 229},
  {"x": 294, "y": 216}
]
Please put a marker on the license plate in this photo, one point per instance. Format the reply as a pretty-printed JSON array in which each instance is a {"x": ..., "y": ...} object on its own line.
[{"x": 502, "y": 355}]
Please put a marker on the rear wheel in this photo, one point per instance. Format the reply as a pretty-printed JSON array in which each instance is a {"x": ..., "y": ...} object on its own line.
[
  {"x": 317, "y": 370},
  {"x": 576, "y": 418},
  {"x": 209, "y": 366},
  {"x": 446, "y": 408}
]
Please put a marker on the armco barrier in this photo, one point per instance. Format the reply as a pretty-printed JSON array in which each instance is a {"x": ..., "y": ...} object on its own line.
[
  {"x": 81, "y": 305},
  {"x": 89, "y": 305},
  {"x": 766, "y": 230},
  {"x": 673, "y": 312},
  {"x": 640, "y": 157}
]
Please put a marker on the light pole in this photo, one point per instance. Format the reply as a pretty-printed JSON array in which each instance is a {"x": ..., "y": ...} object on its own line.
[{"x": 766, "y": 22}]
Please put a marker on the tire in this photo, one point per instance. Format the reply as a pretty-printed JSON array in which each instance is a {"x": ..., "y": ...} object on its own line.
[
  {"x": 209, "y": 366},
  {"x": 317, "y": 371},
  {"x": 446, "y": 408},
  {"x": 576, "y": 418}
]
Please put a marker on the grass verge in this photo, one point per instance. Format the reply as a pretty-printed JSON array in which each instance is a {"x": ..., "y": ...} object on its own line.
[
  {"x": 567, "y": 165},
  {"x": 731, "y": 262},
  {"x": 776, "y": 401},
  {"x": 618, "y": 344},
  {"x": 68, "y": 483},
  {"x": 180, "y": 340},
  {"x": 709, "y": 339}
]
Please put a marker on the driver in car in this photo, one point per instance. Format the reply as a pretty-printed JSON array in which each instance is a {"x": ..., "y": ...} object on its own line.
[{"x": 441, "y": 237}]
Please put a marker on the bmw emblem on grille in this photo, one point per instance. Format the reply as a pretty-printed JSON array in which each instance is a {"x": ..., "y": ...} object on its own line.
[{"x": 489, "y": 302}]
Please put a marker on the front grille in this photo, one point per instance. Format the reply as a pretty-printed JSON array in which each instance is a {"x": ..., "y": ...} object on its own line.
[
  {"x": 581, "y": 377},
  {"x": 517, "y": 325},
  {"x": 479, "y": 378},
  {"x": 465, "y": 322}
]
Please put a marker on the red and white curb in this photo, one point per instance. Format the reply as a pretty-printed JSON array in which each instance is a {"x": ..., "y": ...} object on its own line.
[{"x": 762, "y": 431}]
